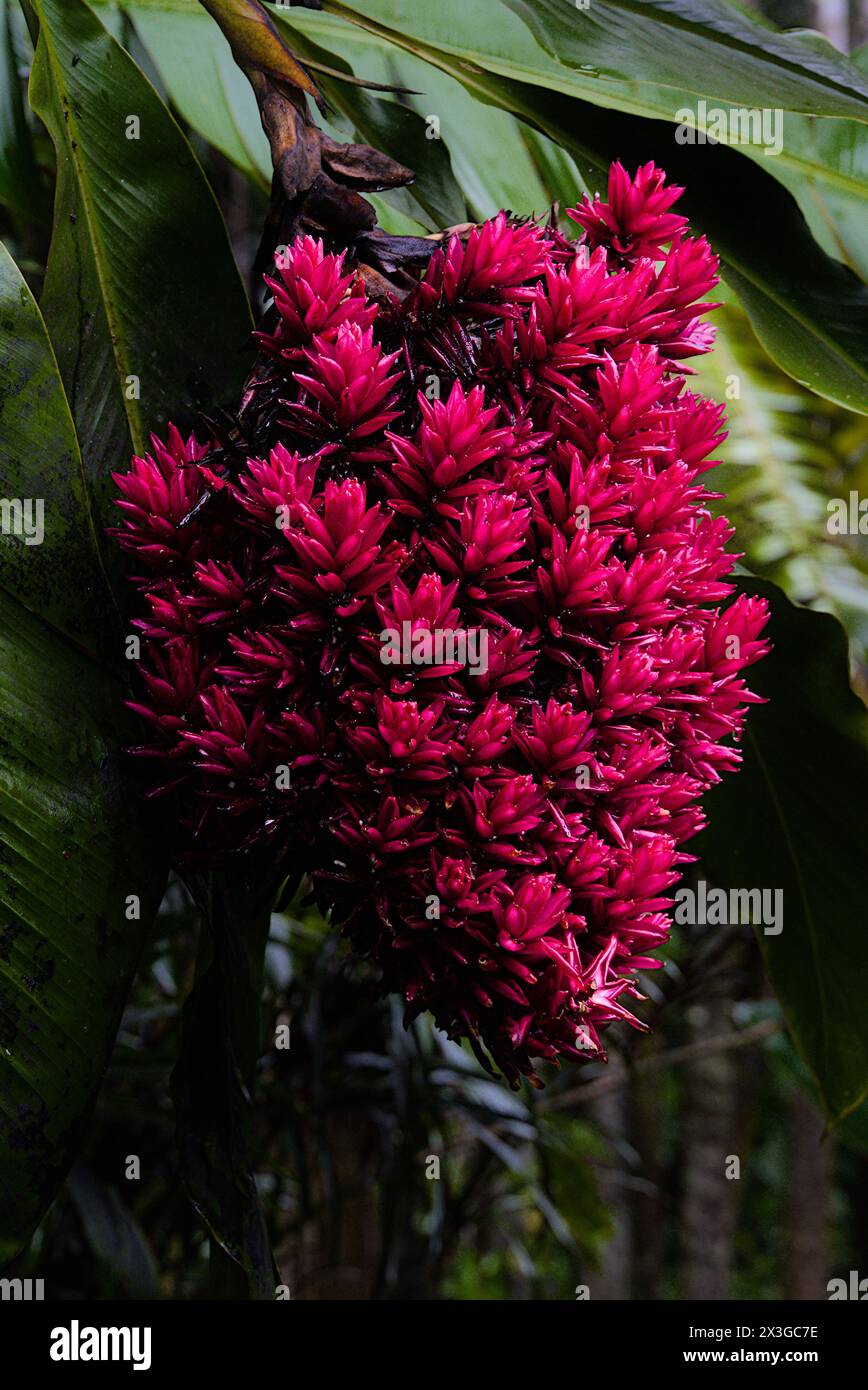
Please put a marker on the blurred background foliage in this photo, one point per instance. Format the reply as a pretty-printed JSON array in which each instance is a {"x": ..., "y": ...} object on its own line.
[
  {"x": 387, "y": 1163},
  {"x": 390, "y": 1166}
]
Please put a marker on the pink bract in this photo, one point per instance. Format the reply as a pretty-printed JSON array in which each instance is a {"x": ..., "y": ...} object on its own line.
[{"x": 510, "y": 454}]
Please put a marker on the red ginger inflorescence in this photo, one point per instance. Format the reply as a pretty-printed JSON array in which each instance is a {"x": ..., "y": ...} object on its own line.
[{"x": 462, "y": 639}]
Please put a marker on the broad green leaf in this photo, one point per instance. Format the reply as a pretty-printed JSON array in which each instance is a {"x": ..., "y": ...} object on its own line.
[
  {"x": 393, "y": 219},
  {"x": 21, "y": 187},
  {"x": 831, "y": 180},
  {"x": 41, "y": 461},
  {"x": 824, "y": 165},
  {"x": 795, "y": 818},
  {"x": 74, "y": 852},
  {"x": 810, "y": 312},
  {"x": 495, "y": 34},
  {"x": 823, "y": 162},
  {"x": 142, "y": 299},
  {"x": 634, "y": 54},
  {"x": 564, "y": 184},
  {"x": 853, "y": 1129},
  {"x": 705, "y": 46},
  {"x": 206, "y": 85}
]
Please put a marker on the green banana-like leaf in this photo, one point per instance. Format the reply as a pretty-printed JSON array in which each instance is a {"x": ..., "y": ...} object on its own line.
[
  {"x": 825, "y": 166},
  {"x": 636, "y": 55},
  {"x": 706, "y": 46},
  {"x": 142, "y": 299},
  {"x": 639, "y": 45},
  {"x": 822, "y": 160},
  {"x": 810, "y": 312},
  {"x": 79, "y": 874},
  {"x": 21, "y": 186},
  {"x": 205, "y": 84},
  {"x": 614, "y": 52},
  {"x": 143, "y": 317},
  {"x": 487, "y": 148},
  {"x": 796, "y": 818}
]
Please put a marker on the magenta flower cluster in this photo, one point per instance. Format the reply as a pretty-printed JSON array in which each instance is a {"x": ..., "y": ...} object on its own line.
[{"x": 509, "y": 453}]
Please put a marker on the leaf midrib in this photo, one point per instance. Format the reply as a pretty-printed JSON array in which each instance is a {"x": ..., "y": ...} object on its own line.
[
  {"x": 82, "y": 476},
  {"x": 746, "y": 46},
  {"x": 812, "y": 326},
  {"x": 101, "y": 263},
  {"x": 504, "y": 67}
]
